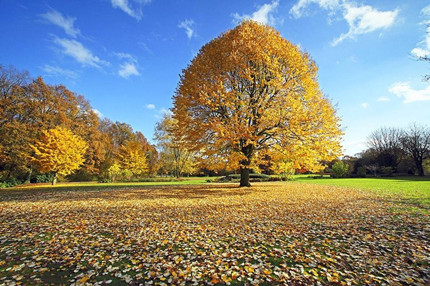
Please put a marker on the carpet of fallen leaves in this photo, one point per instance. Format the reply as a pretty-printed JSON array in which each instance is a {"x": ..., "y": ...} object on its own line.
[{"x": 270, "y": 234}]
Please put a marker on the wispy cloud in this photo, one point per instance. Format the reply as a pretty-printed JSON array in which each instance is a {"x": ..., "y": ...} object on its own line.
[
  {"x": 383, "y": 98},
  {"x": 125, "y": 56},
  {"x": 165, "y": 111},
  {"x": 150, "y": 106},
  {"x": 364, "y": 105},
  {"x": 129, "y": 66},
  {"x": 128, "y": 69},
  {"x": 125, "y": 6},
  {"x": 99, "y": 114},
  {"x": 59, "y": 72},
  {"x": 161, "y": 112},
  {"x": 64, "y": 22},
  {"x": 361, "y": 19},
  {"x": 80, "y": 53},
  {"x": 405, "y": 91},
  {"x": 264, "y": 14},
  {"x": 188, "y": 26},
  {"x": 300, "y": 8},
  {"x": 422, "y": 49}
]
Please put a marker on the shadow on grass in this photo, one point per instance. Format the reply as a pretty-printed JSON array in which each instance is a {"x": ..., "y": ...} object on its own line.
[
  {"x": 78, "y": 193},
  {"x": 394, "y": 178}
]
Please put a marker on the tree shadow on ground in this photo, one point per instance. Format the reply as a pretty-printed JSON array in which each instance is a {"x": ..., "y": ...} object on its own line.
[{"x": 79, "y": 193}]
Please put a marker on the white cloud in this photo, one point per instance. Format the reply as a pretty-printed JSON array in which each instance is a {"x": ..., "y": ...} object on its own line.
[
  {"x": 80, "y": 53},
  {"x": 165, "y": 111},
  {"x": 361, "y": 19},
  {"x": 364, "y": 105},
  {"x": 99, "y": 114},
  {"x": 426, "y": 10},
  {"x": 128, "y": 69},
  {"x": 383, "y": 98},
  {"x": 365, "y": 19},
  {"x": 129, "y": 66},
  {"x": 67, "y": 23},
  {"x": 150, "y": 106},
  {"x": 57, "y": 71},
  {"x": 420, "y": 53},
  {"x": 299, "y": 9},
  {"x": 188, "y": 26},
  {"x": 126, "y": 56},
  {"x": 262, "y": 15},
  {"x": 161, "y": 112},
  {"x": 404, "y": 90},
  {"x": 125, "y": 6},
  {"x": 423, "y": 48}
]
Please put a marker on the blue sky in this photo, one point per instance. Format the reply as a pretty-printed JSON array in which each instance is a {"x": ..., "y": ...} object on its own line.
[{"x": 125, "y": 56}]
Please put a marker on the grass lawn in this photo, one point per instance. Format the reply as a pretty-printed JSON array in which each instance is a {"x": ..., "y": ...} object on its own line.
[
  {"x": 295, "y": 233},
  {"x": 412, "y": 192}
]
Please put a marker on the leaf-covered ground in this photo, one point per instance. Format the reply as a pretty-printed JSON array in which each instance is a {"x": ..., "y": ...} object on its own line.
[{"x": 272, "y": 233}]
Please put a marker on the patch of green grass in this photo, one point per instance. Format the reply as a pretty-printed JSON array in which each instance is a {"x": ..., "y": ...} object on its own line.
[{"x": 412, "y": 192}]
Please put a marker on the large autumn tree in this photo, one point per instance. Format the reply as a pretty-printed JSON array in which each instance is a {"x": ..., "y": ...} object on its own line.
[
  {"x": 251, "y": 94},
  {"x": 59, "y": 151}
]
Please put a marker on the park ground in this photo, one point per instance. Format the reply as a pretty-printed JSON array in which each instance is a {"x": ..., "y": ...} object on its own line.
[{"x": 332, "y": 231}]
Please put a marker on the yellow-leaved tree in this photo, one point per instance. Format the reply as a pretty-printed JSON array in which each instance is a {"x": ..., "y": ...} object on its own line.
[
  {"x": 132, "y": 159},
  {"x": 59, "y": 151},
  {"x": 250, "y": 93}
]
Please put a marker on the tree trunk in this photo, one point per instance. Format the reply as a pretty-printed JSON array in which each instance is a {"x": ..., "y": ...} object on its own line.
[
  {"x": 54, "y": 179},
  {"x": 244, "y": 169},
  {"x": 27, "y": 180},
  {"x": 420, "y": 170},
  {"x": 244, "y": 177},
  {"x": 419, "y": 164}
]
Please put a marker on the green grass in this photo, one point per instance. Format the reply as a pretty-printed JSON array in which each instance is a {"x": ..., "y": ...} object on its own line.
[{"x": 412, "y": 192}]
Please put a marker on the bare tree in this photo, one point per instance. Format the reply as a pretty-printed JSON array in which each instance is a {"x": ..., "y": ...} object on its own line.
[
  {"x": 426, "y": 57},
  {"x": 416, "y": 143},
  {"x": 388, "y": 146}
]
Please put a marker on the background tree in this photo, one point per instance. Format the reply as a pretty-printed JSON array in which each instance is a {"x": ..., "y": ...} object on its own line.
[
  {"x": 339, "y": 169},
  {"x": 250, "y": 92},
  {"x": 150, "y": 153},
  {"x": 426, "y": 56},
  {"x": 175, "y": 158},
  {"x": 28, "y": 106},
  {"x": 132, "y": 157},
  {"x": 59, "y": 151},
  {"x": 386, "y": 143},
  {"x": 416, "y": 143}
]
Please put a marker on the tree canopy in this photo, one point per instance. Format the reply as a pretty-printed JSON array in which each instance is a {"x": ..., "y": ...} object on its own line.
[
  {"x": 59, "y": 151},
  {"x": 250, "y": 94},
  {"x": 30, "y": 106}
]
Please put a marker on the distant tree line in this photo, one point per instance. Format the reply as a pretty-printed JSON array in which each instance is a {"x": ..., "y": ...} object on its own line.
[
  {"x": 29, "y": 107},
  {"x": 393, "y": 151}
]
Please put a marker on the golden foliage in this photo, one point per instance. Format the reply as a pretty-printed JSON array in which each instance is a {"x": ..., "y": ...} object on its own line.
[
  {"x": 59, "y": 151},
  {"x": 250, "y": 92},
  {"x": 132, "y": 158}
]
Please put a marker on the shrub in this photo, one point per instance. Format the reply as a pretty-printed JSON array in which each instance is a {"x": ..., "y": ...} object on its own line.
[
  {"x": 361, "y": 172},
  {"x": 252, "y": 177},
  {"x": 11, "y": 182},
  {"x": 387, "y": 171},
  {"x": 339, "y": 169},
  {"x": 42, "y": 178}
]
